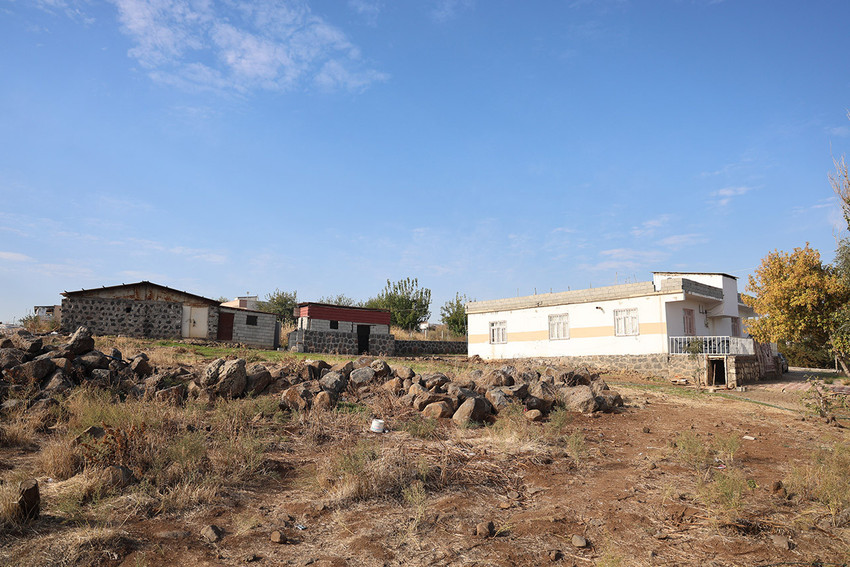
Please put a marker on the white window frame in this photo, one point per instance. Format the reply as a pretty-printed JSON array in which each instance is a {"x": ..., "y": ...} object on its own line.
[
  {"x": 737, "y": 331},
  {"x": 626, "y": 322},
  {"x": 559, "y": 326},
  {"x": 498, "y": 332},
  {"x": 689, "y": 316}
]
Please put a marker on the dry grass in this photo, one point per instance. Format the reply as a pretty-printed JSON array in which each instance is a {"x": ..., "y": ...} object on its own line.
[
  {"x": 59, "y": 459},
  {"x": 825, "y": 480}
]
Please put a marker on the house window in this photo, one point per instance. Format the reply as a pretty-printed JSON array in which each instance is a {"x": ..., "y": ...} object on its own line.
[
  {"x": 559, "y": 327},
  {"x": 736, "y": 326},
  {"x": 498, "y": 332},
  {"x": 251, "y": 320},
  {"x": 334, "y": 324},
  {"x": 690, "y": 322},
  {"x": 626, "y": 322}
]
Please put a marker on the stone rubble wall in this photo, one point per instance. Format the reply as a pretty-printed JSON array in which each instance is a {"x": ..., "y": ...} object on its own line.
[
  {"x": 331, "y": 342},
  {"x": 743, "y": 369},
  {"x": 418, "y": 348},
  {"x": 661, "y": 365},
  {"x": 132, "y": 318}
]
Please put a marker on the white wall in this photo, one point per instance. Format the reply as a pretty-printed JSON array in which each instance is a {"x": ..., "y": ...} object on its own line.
[{"x": 591, "y": 330}]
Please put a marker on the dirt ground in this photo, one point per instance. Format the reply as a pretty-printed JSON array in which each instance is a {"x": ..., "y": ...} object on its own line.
[{"x": 627, "y": 494}]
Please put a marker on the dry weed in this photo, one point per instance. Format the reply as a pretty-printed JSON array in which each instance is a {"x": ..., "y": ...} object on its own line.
[{"x": 59, "y": 459}]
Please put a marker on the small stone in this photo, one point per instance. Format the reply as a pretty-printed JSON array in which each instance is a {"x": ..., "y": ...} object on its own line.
[
  {"x": 29, "y": 503},
  {"x": 652, "y": 466},
  {"x": 485, "y": 529},
  {"x": 251, "y": 558},
  {"x": 534, "y": 415},
  {"x": 504, "y": 505},
  {"x": 781, "y": 541},
  {"x": 776, "y": 486},
  {"x": 646, "y": 429},
  {"x": 277, "y": 537},
  {"x": 579, "y": 541},
  {"x": 555, "y": 555},
  {"x": 211, "y": 533},
  {"x": 513, "y": 494}
]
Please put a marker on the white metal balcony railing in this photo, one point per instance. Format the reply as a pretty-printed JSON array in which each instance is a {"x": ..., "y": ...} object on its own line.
[{"x": 711, "y": 345}]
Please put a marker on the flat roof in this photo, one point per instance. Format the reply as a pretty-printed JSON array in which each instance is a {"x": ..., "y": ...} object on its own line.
[
  {"x": 309, "y": 303},
  {"x": 697, "y": 274}
]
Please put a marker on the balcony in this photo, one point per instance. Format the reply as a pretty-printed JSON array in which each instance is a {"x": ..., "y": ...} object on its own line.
[{"x": 711, "y": 345}]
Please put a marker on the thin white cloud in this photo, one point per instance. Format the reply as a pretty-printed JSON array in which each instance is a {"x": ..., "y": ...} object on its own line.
[
  {"x": 15, "y": 257},
  {"x": 368, "y": 8},
  {"x": 445, "y": 10},
  {"x": 839, "y": 131},
  {"x": 648, "y": 228},
  {"x": 241, "y": 46},
  {"x": 645, "y": 256},
  {"x": 723, "y": 197},
  {"x": 678, "y": 241}
]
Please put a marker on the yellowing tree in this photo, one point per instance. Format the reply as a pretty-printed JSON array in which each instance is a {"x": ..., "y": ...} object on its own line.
[{"x": 797, "y": 298}]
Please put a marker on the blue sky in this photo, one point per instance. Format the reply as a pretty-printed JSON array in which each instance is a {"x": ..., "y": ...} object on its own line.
[{"x": 487, "y": 148}]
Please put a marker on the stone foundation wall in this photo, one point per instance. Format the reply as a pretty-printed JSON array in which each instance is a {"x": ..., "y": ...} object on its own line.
[
  {"x": 661, "y": 365},
  {"x": 743, "y": 369},
  {"x": 146, "y": 319},
  {"x": 417, "y": 348},
  {"x": 334, "y": 342}
]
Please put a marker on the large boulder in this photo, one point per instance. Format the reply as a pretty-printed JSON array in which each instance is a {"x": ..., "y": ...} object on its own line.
[
  {"x": 26, "y": 341},
  {"x": 333, "y": 382},
  {"x": 32, "y": 372},
  {"x": 541, "y": 396},
  {"x": 297, "y": 398},
  {"x": 324, "y": 401},
  {"x": 404, "y": 372},
  {"x": 495, "y": 379},
  {"x": 58, "y": 382},
  {"x": 233, "y": 379},
  {"x": 473, "y": 409},
  {"x": 437, "y": 380},
  {"x": 438, "y": 410},
  {"x": 173, "y": 396},
  {"x": 141, "y": 366},
  {"x": 607, "y": 400},
  {"x": 497, "y": 398},
  {"x": 343, "y": 368},
  {"x": 258, "y": 379},
  {"x": 11, "y": 357},
  {"x": 381, "y": 368},
  {"x": 579, "y": 398},
  {"x": 361, "y": 377},
  {"x": 212, "y": 373},
  {"x": 93, "y": 359},
  {"x": 81, "y": 341}
]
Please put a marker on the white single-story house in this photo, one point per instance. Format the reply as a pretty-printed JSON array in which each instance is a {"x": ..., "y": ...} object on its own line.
[{"x": 650, "y": 326}]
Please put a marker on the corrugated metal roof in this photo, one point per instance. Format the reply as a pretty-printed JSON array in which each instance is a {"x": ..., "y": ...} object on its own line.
[{"x": 83, "y": 292}]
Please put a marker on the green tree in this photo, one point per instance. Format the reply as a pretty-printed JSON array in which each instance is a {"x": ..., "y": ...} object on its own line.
[
  {"x": 282, "y": 304},
  {"x": 798, "y": 299},
  {"x": 340, "y": 299},
  {"x": 407, "y": 303},
  {"x": 453, "y": 315}
]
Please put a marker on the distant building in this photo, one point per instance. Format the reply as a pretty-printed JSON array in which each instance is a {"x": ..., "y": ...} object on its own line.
[
  {"x": 48, "y": 313},
  {"x": 321, "y": 327},
  {"x": 645, "y": 326},
  {"x": 243, "y": 302},
  {"x": 146, "y": 309}
]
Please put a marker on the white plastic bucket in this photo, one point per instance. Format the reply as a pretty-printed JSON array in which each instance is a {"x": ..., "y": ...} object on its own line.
[{"x": 377, "y": 426}]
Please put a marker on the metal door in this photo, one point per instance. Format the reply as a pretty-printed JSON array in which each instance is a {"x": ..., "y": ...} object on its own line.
[{"x": 195, "y": 322}]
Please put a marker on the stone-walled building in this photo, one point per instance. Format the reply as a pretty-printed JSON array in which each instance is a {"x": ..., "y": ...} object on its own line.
[
  {"x": 680, "y": 325},
  {"x": 341, "y": 329},
  {"x": 150, "y": 310}
]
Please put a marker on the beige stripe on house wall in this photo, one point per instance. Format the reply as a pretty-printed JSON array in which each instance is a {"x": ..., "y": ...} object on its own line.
[{"x": 575, "y": 333}]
